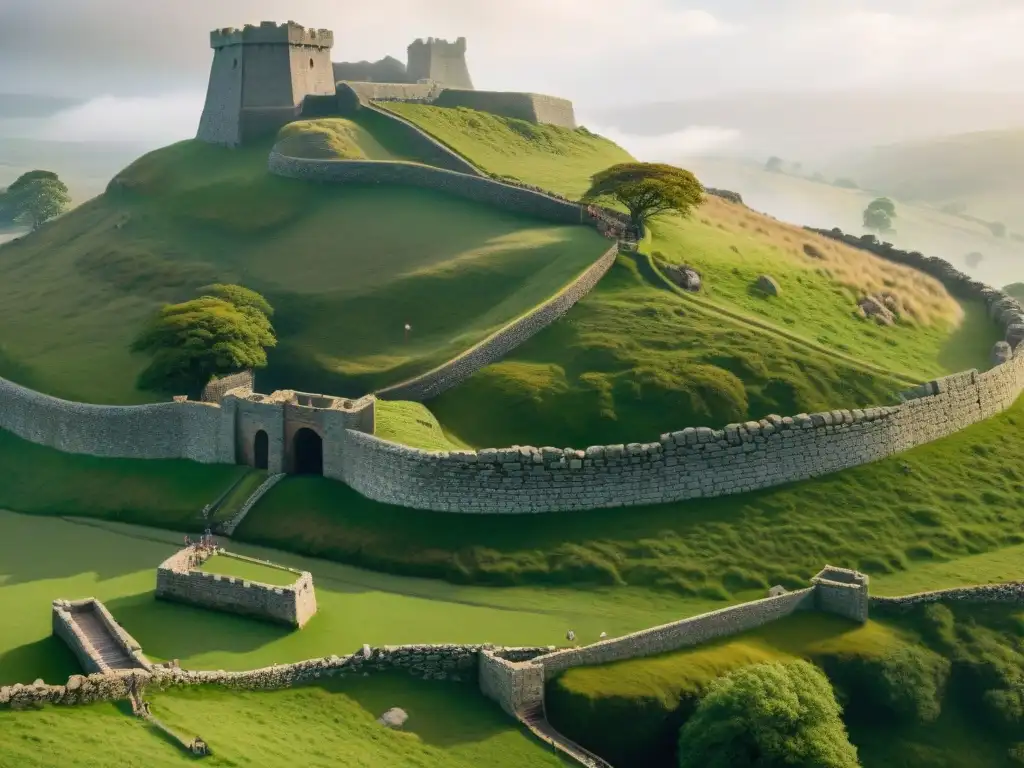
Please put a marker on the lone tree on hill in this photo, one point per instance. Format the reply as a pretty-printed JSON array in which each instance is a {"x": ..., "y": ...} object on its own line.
[
  {"x": 647, "y": 190},
  {"x": 770, "y": 716},
  {"x": 34, "y": 198},
  {"x": 225, "y": 330},
  {"x": 879, "y": 215}
]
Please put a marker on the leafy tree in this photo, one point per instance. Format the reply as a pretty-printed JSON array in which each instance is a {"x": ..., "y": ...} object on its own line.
[
  {"x": 8, "y": 212},
  {"x": 774, "y": 164},
  {"x": 879, "y": 214},
  {"x": 647, "y": 190},
  {"x": 36, "y": 200},
  {"x": 209, "y": 336},
  {"x": 769, "y": 716}
]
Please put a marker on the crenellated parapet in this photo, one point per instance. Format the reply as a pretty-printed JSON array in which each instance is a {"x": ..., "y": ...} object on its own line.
[{"x": 271, "y": 33}]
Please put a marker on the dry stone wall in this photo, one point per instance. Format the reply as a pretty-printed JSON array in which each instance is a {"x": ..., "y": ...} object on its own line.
[
  {"x": 502, "y": 342},
  {"x": 185, "y": 430},
  {"x": 680, "y": 634},
  {"x": 516, "y": 686},
  {"x": 178, "y": 579},
  {"x": 1011, "y": 592},
  {"x": 217, "y": 388},
  {"x": 477, "y": 189}
]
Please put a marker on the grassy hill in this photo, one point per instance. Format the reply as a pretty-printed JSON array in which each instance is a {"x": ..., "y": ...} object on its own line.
[
  {"x": 982, "y": 170},
  {"x": 345, "y": 267},
  {"x": 919, "y": 720},
  {"x": 635, "y": 358}
]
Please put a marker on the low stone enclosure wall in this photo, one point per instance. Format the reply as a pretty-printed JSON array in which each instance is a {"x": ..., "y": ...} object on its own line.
[
  {"x": 510, "y": 198},
  {"x": 179, "y": 579},
  {"x": 503, "y": 341},
  {"x": 514, "y": 677}
]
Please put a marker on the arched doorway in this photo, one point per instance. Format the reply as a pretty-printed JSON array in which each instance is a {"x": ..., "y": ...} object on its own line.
[
  {"x": 308, "y": 453},
  {"x": 261, "y": 450}
]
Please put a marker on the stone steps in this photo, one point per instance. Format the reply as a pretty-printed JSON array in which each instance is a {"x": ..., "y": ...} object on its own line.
[
  {"x": 535, "y": 719},
  {"x": 110, "y": 652}
]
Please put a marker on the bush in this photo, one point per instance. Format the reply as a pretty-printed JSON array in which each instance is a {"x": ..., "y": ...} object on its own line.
[
  {"x": 768, "y": 715},
  {"x": 907, "y": 684}
]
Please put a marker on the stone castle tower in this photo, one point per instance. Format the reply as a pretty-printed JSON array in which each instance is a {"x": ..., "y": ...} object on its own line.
[
  {"x": 441, "y": 61},
  {"x": 259, "y": 78}
]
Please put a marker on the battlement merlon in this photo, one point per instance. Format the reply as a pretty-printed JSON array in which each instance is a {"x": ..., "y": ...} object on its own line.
[
  {"x": 459, "y": 46},
  {"x": 271, "y": 33}
]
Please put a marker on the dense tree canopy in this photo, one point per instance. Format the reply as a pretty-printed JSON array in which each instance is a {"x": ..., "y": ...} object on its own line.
[
  {"x": 647, "y": 190},
  {"x": 34, "y": 198},
  {"x": 226, "y": 331},
  {"x": 769, "y": 716}
]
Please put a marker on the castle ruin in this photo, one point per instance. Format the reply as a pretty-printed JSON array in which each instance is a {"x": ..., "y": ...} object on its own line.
[
  {"x": 260, "y": 78},
  {"x": 264, "y": 77}
]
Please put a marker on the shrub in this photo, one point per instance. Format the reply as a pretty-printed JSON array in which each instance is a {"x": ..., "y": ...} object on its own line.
[{"x": 768, "y": 715}]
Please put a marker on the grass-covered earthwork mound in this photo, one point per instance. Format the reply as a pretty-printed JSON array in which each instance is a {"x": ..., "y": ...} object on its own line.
[
  {"x": 450, "y": 725},
  {"x": 345, "y": 267},
  {"x": 898, "y": 519},
  {"x": 557, "y": 159},
  {"x": 935, "y": 687}
]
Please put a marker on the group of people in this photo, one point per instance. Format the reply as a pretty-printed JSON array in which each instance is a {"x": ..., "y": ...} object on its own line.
[{"x": 204, "y": 545}]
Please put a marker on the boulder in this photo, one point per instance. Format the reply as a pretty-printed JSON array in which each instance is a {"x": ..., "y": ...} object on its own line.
[
  {"x": 685, "y": 277},
  {"x": 394, "y": 718},
  {"x": 875, "y": 308},
  {"x": 1001, "y": 353},
  {"x": 768, "y": 285}
]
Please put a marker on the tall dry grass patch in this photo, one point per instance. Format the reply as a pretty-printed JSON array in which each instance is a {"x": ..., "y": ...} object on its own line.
[{"x": 920, "y": 296}]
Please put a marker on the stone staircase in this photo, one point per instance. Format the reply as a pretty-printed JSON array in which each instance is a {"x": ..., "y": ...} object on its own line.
[
  {"x": 535, "y": 719},
  {"x": 108, "y": 650}
]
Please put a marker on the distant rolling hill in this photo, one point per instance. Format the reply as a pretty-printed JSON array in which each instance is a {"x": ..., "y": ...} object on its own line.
[{"x": 984, "y": 171}]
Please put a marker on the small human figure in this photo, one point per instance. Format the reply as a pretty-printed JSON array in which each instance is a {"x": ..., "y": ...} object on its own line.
[{"x": 570, "y": 636}]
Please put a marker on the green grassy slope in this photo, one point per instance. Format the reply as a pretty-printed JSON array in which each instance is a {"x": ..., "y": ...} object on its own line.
[
  {"x": 345, "y": 268},
  {"x": 449, "y": 726},
  {"x": 656, "y": 695},
  {"x": 42, "y": 559},
  {"x": 632, "y": 361},
  {"x": 557, "y": 159},
  {"x": 896, "y": 519}
]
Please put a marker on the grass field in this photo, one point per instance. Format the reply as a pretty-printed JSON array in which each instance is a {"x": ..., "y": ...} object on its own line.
[
  {"x": 551, "y": 157},
  {"x": 449, "y": 726},
  {"x": 42, "y": 559},
  {"x": 225, "y": 565},
  {"x": 345, "y": 268},
  {"x": 630, "y": 712},
  {"x": 959, "y": 497}
]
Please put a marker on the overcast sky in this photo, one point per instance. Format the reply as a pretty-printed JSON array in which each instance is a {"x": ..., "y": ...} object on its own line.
[
  {"x": 143, "y": 64},
  {"x": 582, "y": 49}
]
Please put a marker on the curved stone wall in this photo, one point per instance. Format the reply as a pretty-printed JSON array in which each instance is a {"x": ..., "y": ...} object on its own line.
[
  {"x": 161, "y": 431},
  {"x": 693, "y": 463},
  {"x": 482, "y": 190},
  {"x": 499, "y": 344}
]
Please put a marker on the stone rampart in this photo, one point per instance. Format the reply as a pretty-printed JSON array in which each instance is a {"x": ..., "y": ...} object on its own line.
[
  {"x": 516, "y": 686},
  {"x": 178, "y": 579},
  {"x": 217, "y": 388},
  {"x": 178, "y": 430},
  {"x": 68, "y": 631},
  {"x": 477, "y": 189},
  {"x": 531, "y": 107},
  {"x": 1010, "y": 592},
  {"x": 500, "y": 343},
  {"x": 680, "y": 634}
]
